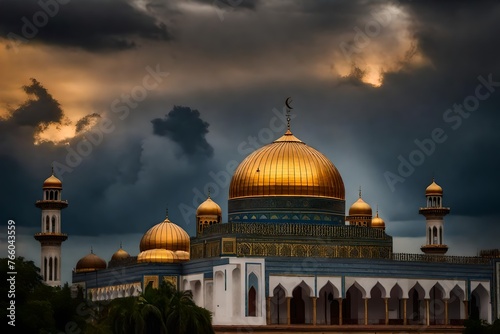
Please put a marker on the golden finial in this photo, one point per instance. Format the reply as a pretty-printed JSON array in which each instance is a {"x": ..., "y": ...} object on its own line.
[
  {"x": 52, "y": 166},
  {"x": 377, "y": 210},
  {"x": 288, "y": 109},
  {"x": 166, "y": 213},
  {"x": 91, "y": 250},
  {"x": 359, "y": 191},
  {"x": 209, "y": 192},
  {"x": 121, "y": 244}
]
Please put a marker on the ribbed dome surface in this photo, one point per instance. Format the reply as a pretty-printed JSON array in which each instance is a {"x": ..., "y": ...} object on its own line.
[
  {"x": 360, "y": 208},
  {"x": 90, "y": 262},
  {"x": 287, "y": 167},
  {"x": 165, "y": 235},
  {"x": 120, "y": 255},
  {"x": 208, "y": 208}
]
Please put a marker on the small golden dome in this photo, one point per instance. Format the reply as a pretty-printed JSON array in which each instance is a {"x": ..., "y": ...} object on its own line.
[
  {"x": 164, "y": 242},
  {"x": 360, "y": 207},
  {"x": 209, "y": 208},
  {"x": 434, "y": 189},
  {"x": 90, "y": 262},
  {"x": 52, "y": 182},
  {"x": 120, "y": 254},
  {"x": 378, "y": 222},
  {"x": 287, "y": 167}
]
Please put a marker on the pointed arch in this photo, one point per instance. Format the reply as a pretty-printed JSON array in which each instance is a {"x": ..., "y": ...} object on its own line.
[
  {"x": 236, "y": 283},
  {"x": 416, "y": 304},
  {"x": 53, "y": 224},
  {"x": 253, "y": 302},
  {"x": 376, "y": 305},
  {"x": 396, "y": 305},
  {"x": 55, "y": 268},
  {"x": 278, "y": 305},
  {"x": 301, "y": 304},
  {"x": 353, "y": 306},
  {"x": 436, "y": 305},
  {"x": 480, "y": 298},
  {"x": 327, "y": 305},
  {"x": 456, "y": 306},
  {"x": 45, "y": 268}
]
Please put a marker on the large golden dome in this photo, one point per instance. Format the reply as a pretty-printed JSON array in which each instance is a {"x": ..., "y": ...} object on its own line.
[
  {"x": 287, "y": 167},
  {"x": 90, "y": 262},
  {"x": 164, "y": 242}
]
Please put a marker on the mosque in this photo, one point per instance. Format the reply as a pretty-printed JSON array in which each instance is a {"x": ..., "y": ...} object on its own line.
[{"x": 290, "y": 256}]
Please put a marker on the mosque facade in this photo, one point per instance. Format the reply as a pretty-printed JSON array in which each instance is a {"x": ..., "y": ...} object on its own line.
[{"x": 289, "y": 254}]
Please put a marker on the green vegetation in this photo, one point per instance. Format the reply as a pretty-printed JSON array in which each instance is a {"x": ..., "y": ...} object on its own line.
[{"x": 43, "y": 309}]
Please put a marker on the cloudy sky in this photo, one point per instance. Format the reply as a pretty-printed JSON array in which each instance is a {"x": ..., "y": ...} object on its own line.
[{"x": 144, "y": 105}]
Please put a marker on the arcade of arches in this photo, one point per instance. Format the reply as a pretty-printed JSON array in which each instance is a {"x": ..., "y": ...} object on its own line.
[{"x": 376, "y": 302}]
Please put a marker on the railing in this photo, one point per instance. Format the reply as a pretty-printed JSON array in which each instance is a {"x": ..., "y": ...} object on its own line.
[
  {"x": 300, "y": 229},
  {"x": 439, "y": 258}
]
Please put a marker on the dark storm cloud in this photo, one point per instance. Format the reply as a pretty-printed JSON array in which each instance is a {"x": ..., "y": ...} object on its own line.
[
  {"x": 231, "y": 4},
  {"x": 92, "y": 25},
  {"x": 44, "y": 109},
  {"x": 185, "y": 127},
  {"x": 86, "y": 121}
]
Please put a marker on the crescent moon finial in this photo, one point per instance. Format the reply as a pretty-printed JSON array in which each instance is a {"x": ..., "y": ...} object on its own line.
[{"x": 288, "y": 109}]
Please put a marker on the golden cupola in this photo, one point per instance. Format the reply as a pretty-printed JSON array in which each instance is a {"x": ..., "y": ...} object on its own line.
[
  {"x": 360, "y": 213},
  {"x": 286, "y": 181},
  {"x": 165, "y": 242},
  {"x": 90, "y": 262},
  {"x": 52, "y": 182},
  {"x": 434, "y": 189},
  {"x": 378, "y": 222},
  {"x": 120, "y": 254},
  {"x": 207, "y": 214}
]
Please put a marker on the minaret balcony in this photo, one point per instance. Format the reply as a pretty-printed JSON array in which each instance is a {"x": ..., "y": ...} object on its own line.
[
  {"x": 51, "y": 237},
  {"x": 430, "y": 211},
  {"x": 51, "y": 204}
]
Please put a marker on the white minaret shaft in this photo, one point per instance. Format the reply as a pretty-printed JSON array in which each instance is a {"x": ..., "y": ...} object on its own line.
[
  {"x": 50, "y": 236},
  {"x": 434, "y": 214}
]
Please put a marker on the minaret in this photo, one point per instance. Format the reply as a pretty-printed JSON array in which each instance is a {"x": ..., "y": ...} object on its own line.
[
  {"x": 208, "y": 213},
  {"x": 50, "y": 236},
  {"x": 434, "y": 213}
]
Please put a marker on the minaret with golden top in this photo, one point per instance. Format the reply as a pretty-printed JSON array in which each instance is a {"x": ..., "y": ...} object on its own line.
[
  {"x": 50, "y": 236},
  {"x": 434, "y": 213}
]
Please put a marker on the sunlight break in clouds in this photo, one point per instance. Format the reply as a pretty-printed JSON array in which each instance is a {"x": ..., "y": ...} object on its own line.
[{"x": 381, "y": 43}]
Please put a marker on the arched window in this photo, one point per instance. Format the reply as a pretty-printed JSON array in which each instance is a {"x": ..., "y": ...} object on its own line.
[
  {"x": 252, "y": 302},
  {"x": 439, "y": 201},
  {"x": 434, "y": 235},
  {"x": 53, "y": 224},
  {"x": 45, "y": 269},
  {"x": 55, "y": 269},
  {"x": 47, "y": 222},
  {"x": 50, "y": 269},
  {"x": 440, "y": 235}
]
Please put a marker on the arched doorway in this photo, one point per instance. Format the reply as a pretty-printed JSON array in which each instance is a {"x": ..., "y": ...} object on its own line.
[
  {"x": 455, "y": 306},
  {"x": 376, "y": 305},
  {"x": 353, "y": 307},
  {"x": 479, "y": 303},
  {"x": 416, "y": 305},
  {"x": 327, "y": 306},
  {"x": 436, "y": 305},
  {"x": 278, "y": 306},
  {"x": 297, "y": 307},
  {"x": 395, "y": 306}
]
